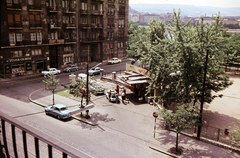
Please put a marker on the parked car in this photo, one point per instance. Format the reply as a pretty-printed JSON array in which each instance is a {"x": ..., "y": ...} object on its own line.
[
  {"x": 82, "y": 76},
  {"x": 112, "y": 97},
  {"x": 97, "y": 88},
  {"x": 71, "y": 68},
  {"x": 58, "y": 110},
  {"x": 51, "y": 70},
  {"x": 95, "y": 71},
  {"x": 114, "y": 61}
]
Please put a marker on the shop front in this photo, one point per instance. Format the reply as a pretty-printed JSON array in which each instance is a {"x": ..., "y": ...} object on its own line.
[{"x": 17, "y": 66}]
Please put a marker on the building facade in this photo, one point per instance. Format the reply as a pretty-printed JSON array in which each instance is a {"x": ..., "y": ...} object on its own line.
[{"x": 39, "y": 34}]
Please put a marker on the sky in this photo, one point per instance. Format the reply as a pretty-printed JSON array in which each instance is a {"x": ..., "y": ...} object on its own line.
[{"x": 212, "y": 3}]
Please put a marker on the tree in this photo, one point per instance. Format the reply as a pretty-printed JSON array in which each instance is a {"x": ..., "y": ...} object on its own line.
[
  {"x": 78, "y": 88},
  {"x": 183, "y": 118},
  {"x": 236, "y": 135},
  {"x": 51, "y": 83}
]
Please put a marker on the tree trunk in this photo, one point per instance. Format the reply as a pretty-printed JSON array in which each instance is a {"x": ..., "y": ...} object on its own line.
[
  {"x": 53, "y": 96},
  {"x": 177, "y": 142}
]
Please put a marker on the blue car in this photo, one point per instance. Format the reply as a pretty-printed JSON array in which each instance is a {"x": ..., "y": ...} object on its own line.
[
  {"x": 58, "y": 110},
  {"x": 95, "y": 71},
  {"x": 71, "y": 68}
]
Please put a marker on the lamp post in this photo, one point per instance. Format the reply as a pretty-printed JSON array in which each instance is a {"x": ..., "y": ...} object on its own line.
[{"x": 202, "y": 98}]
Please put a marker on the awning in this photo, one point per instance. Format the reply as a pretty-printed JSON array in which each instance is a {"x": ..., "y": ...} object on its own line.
[{"x": 138, "y": 81}]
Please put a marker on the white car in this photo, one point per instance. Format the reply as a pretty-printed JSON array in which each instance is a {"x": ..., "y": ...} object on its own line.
[
  {"x": 82, "y": 76},
  {"x": 114, "y": 61},
  {"x": 97, "y": 88},
  {"x": 51, "y": 70}
]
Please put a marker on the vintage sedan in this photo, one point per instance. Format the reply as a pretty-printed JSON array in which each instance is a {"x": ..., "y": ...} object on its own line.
[
  {"x": 95, "y": 71},
  {"x": 51, "y": 70},
  {"x": 114, "y": 61},
  {"x": 96, "y": 88},
  {"x": 71, "y": 68},
  {"x": 58, "y": 110}
]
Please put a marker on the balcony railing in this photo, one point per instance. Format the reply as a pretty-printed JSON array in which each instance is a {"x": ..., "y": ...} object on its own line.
[
  {"x": 84, "y": 11},
  {"x": 32, "y": 139},
  {"x": 56, "y": 41},
  {"x": 87, "y": 39},
  {"x": 111, "y": 25},
  {"x": 97, "y": 12}
]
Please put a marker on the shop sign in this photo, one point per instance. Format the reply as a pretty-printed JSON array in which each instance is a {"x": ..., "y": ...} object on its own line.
[
  {"x": 18, "y": 59},
  {"x": 7, "y": 69},
  {"x": 28, "y": 66},
  {"x": 130, "y": 67}
]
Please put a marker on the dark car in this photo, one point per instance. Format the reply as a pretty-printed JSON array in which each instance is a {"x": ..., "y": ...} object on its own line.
[
  {"x": 71, "y": 68},
  {"x": 58, "y": 110}
]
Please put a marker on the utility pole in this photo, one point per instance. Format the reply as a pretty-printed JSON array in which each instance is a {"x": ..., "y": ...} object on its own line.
[
  {"x": 202, "y": 98},
  {"x": 77, "y": 17}
]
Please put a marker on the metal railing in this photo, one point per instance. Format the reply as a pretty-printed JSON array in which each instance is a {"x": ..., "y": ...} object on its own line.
[{"x": 20, "y": 140}]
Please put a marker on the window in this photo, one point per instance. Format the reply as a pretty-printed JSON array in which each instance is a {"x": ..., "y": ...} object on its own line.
[
  {"x": 94, "y": 20},
  {"x": 66, "y": 35},
  {"x": 84, "y": 6},
  {"x": 16, "y": 53},
  {"x": 34, "y": 20},
  {"x": 52, "y": 3},
  {"x": 33, "y": 36},
  {"x": 30, "y": 2},
  {"x": 36, "y": 36},
  {"x": 68, "y": 48},
  {"x": 110, "y": 35},
  {"x": 84, "y": 20},
  {"x": 39, "y": 38},
  {"x": 19, "y": 37},
  {"x": 36, "y": 51},
  {"x": 111, "y": 10},
  {"x": 93, "y": 6},
  {"x": 67, "y": 59},
  {"x": 53, "y": 35},
  {"x": 12, "y": 1},
  {"x": 12, "y": 40},
  {"x": 68, "y": 19},
  {"x": 110, "y": 45},
  {"x": 14, "y": 20},
  {"x": 65, "y": 4},
  {"x": 120, "y": 44},
  {"x": 121, "y": 23}
]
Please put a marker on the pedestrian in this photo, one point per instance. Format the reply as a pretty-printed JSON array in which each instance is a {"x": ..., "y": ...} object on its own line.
[
  {"x": 109, "y": 94},
  {"x": 123, "y": 95},
  {"x": 116, "y": 97}
]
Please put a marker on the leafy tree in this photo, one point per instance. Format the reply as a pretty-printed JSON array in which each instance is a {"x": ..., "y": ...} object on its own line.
[
  {"x": 183, "y": 118},
  {"x": 51, "y": 83},
  {"x": 134, "y": 46},
  {"x": 78, "y": 88},
  {"x": 236, "y": 135}
]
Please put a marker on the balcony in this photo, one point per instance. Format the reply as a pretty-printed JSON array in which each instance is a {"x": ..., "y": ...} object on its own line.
[
  {"x": 56, "y": 41},
  {"x": 84, "y": 11},
  {"x": 88, "y": 40},
  {"x": 54, "y": 26},
  {"x": 111, "y": 25},
  {"x": 69, "y": 10},
  {"x": 97, "y": 12},
  {"x": 85, "y": 26},
  {"x": 69, "y": 26},
  {"x": 52, "y": 9}
]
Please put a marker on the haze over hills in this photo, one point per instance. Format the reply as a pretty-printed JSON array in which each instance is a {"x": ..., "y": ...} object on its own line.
[{"x": 186, "y": 10}]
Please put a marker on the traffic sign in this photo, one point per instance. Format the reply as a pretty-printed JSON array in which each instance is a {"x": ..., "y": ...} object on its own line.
[{"x": 155, "y": 114}]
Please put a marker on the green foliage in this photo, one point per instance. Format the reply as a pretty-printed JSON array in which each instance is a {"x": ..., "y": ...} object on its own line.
[
  {"x": 179, "y": 47},
  {"x": 51, "y": 82},
  {"x": 236, "y": 135},
  {"x": 184, "y": 118}
]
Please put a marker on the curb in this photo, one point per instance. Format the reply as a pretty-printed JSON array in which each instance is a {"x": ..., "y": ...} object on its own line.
[
  {"x": 154, "y": 147},
  {"x": 40, "y": 104}
]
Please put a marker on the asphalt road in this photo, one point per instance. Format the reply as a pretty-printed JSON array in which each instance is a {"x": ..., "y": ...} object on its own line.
[{"x": 115, "y": 139}]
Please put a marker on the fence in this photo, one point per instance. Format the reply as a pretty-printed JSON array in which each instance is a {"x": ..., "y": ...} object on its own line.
[
  {"x": 213, "y": 133},
  {"x": 20, "y": 140}
]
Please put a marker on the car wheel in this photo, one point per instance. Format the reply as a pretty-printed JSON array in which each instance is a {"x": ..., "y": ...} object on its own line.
[
  {"x": 46, "y": 112},
  {"x": 58, "y": 117}
]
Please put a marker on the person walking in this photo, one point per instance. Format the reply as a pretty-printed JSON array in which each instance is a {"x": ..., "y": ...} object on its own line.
[
  {"x": 116, "y": 97},
  {"x": 123, "y": 96}
]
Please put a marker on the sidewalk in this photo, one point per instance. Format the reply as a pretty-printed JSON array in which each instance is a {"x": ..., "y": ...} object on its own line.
[{"x": 164, "y": 139}]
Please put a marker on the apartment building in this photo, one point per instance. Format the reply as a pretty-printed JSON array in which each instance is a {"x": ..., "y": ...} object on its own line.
[{"x": 39, "y": 34}]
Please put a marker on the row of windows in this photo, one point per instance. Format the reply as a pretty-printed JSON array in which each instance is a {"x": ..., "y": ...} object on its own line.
[
  {"x": 17, "y": 37},
  {"x": 110, "y": 45}
]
